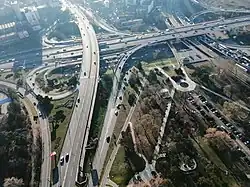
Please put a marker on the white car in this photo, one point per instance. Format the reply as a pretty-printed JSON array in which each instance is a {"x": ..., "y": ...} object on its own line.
[{"x": 62, "y": 160}]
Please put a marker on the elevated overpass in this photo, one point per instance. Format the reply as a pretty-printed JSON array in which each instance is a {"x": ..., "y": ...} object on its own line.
[
  {"x": 123, "y": 43},
  {"x": 77, "y": 135},
  {"x": 195, "y": 16}
]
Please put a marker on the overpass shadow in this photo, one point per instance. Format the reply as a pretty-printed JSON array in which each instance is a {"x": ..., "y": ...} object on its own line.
[{"x": 55, "y": 175}]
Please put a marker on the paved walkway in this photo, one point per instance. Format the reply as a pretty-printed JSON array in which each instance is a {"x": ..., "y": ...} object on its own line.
[
  {"x": 163, "y": 127},
  {"x": 191, "y": 84}
]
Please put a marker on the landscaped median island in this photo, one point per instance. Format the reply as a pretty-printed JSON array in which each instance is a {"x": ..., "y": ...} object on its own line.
[
  {"x": 59, "y": 119},
  {"x": 58, "y": 79}
]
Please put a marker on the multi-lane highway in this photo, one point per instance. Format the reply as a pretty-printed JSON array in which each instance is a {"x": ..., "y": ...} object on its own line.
[
  {"x": 77, "y": 134},
  {"x": 110, "y": 117},
  {"x": 120, "y": 43}
]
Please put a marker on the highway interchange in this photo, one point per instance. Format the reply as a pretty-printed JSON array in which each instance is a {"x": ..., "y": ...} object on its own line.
[
  {"x": 130, "y": 41},
  {"x": 77, "y": 134}
]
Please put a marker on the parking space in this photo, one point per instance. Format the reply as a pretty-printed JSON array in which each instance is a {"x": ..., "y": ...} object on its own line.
[{"x": 216, "y": 119}]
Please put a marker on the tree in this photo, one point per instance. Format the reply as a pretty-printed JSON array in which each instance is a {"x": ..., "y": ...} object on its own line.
[
  {"x": 59, "y": 116},
  {"x": 45, "y": 103},
  {"x": 131, "y": 99},
  {"x": 233, "y": 111},
  {"x": 12, "y": 94},
  {"x": 19, "y": 82},
  {"x": 152, "y": 76},
  {"x": 73, "y": 81},
  {"x": 13, "y": 182},
  {"x": 139, "y": 67},
  {"x": 205, "y": 182}
]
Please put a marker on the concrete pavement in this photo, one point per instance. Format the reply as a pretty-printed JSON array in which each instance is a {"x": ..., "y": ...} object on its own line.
[{"x": 79, "y": 126}]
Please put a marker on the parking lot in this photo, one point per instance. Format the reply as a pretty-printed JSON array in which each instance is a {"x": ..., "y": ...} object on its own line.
[{"x": 216, "y": 119}]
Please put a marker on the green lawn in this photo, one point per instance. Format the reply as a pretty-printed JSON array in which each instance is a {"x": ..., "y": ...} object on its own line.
[
  {"x": 160, "y": 63},
  {"x": 204, "y": 149},
  {"x": 120, "y": 172},
  {"x": 209, "y": 152},
  {"x": 40, "y": 79}
]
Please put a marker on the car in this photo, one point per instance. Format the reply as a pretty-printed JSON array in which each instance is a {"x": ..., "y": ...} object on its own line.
[
  {"x": 202, "y": 112},
  {"x": 213, "y": 110},
  {"x": 246, "y": 142},
  {"x": 62, "y": 160},
  {"x": 224, "y": 121},
  {"x": 72, "y": 53},
  {"x": 236, "y": 132},
  {"x": 95, "y": 63},
  {"x": 239, "y": 135},
  {"x": 199, "y": 108},
  {"x": 217, "y": 114},
  {"x": 108, "y": 139},
  {"x": 233, "y": 128},
  {"x": 206, "y": 108},
  {"x": 94, "y": 53},
  {"x": 67, "y": 157},
  {"x": 209, "y": 105},
  {"x": 87, "y": 46},
  {"x": 203, "y": 99},
  {"x": 116, "y": 112}
]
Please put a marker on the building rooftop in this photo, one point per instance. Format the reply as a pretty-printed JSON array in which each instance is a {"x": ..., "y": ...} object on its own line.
[{"x": 7, "y": 25}]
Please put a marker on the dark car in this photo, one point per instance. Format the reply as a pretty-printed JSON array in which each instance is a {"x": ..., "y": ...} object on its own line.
[{"x": 67, "y": 157}]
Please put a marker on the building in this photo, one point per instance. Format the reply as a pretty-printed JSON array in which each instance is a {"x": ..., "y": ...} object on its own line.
[
  {"x": 131, "y": 24},
  {"x": 130, "y": 2},
  {"x": 54, "y": 3},
  {"x": 8, "y": 33},
  {"x": 11, "y": 32},
  {"x": 145, "y": 7},
  {"x": 32, "y": 17},
  {"x": 16, "y": 8},
  {"x": 150, "y": 6}
]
